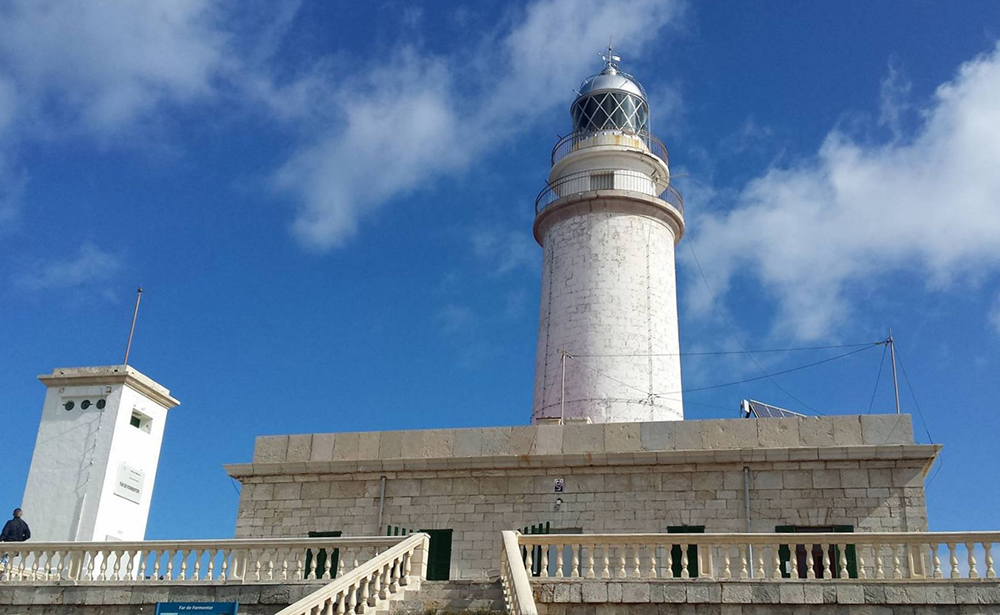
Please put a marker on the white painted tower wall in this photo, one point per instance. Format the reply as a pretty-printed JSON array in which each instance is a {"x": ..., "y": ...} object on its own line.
[
  {"x": 73, "y": 491},
  {"x": 608, "y": 296}
]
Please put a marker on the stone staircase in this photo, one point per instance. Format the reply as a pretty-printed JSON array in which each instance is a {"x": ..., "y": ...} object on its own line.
[{"x": 451, "y": 597}]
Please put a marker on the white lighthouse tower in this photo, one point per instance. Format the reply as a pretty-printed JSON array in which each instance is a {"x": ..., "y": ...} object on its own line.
[
  {"x": 608, "y": 221},
  {"x": 92, "y": 472}
]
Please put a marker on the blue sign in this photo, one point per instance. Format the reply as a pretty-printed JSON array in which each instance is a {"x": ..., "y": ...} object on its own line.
[{"x": 201, "y": 608}]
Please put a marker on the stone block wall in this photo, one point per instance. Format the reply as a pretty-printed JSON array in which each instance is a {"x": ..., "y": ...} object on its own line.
[{"x": 860, "y": 471}]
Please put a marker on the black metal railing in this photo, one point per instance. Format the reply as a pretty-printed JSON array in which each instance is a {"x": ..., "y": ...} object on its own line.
[
  {"x": 606, "y": 179},
  {"x": 582, "y": 139}
]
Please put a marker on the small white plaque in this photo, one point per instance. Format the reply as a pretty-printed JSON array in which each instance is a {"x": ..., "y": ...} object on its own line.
[{"x": 129, "y": 483}]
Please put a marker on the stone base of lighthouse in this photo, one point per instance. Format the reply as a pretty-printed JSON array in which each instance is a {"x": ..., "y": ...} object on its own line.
[{"x": 608, "y": 343}]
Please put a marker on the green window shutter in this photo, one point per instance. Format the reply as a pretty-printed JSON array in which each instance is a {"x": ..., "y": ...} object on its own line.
[
  {"x": 322, "y": 570},
  {"x": 784, "y": 552},
  {"x": 675, "y": 550},
  {"x": 852, "y": 553}
]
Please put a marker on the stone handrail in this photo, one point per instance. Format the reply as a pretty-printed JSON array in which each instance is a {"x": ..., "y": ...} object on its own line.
[
  {"x": 841, "y": 556},
  {"x": 371, "y": 583},
  {"x": 514, "y": 578},
  {"x": 277, "y": 560}
]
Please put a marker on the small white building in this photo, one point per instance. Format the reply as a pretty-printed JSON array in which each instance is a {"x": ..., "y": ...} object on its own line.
[{"x": 92, "y": 471}]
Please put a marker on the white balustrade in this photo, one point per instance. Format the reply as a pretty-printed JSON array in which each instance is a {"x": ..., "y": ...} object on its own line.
[
  {"x": 371, "y": 583},
  {"x": 279, "y": 560},
  {"x": 514, "y": 571},
  {"x": 819, "y": 556}
]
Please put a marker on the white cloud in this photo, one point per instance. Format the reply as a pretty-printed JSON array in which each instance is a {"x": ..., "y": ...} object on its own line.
[
  {"x": 90, "y": 265},
  {"x": 406, "y": 123},
  {"x": 107, "y": 64},
  {"x": 505, "y": 251},
  {"x": 930, "y": 204}
]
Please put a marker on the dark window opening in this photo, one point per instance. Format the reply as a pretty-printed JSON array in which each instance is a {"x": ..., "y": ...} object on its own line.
[
  {"x": 323, "y": 558},
  {"x": 692, "y": 551},
  {"x": 826, "y": 565}
]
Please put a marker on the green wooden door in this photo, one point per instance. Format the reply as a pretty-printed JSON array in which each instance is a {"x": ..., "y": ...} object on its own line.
[
  {"x": 692, "y": 551},
  {"x": 439, "y": 557},
  {"x": 322, "y": 570},
  {"x": 536, "y": 551}
]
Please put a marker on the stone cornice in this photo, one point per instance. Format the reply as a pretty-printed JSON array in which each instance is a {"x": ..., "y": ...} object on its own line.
[
  {"x": 926, "y": 452},
  {"x": 110, "y": 375}
]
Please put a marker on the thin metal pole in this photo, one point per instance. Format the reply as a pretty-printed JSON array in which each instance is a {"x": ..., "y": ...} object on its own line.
[
  {"x": 892, "y": 354},
  {"x": 746, "y": 503},
  {"x": 381, "y": 506},
  {"x": 562, "y": 393},
  {"x": 131, "y": 331}
]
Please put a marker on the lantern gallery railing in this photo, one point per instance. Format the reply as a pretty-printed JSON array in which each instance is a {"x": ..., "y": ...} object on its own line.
[
  {"x": 576, "y": 141},
  {"x": 606, "y": 179},
  {"x": 280, "y": 560},
  {"x": 838, "y": 556}
]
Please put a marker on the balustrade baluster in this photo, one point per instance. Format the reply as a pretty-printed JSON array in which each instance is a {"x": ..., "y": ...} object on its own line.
[
  {"x": 842, "y": 549},
  {"x": 684, "y": 562},
  {"x": 559, "y": 562},
  {"x": 990, "y": 572},
  {"x": 971, "y": 554},
  {"x": 879, "y": 573},
  {"x": 955, "y": 574},
  {"x": 575, "y": 561},
  {"x": 197, "y": 555},
  {"x": 341, "y": 600},
  {"x": 605, "y": 561},
  {"x": 897, "y": 573},
  {"x": 104, "y": 565},
  {"x": 653, "y": 572},
  {"x": 859, "y": 555},
  {"x": 156, "y": 565},
  {"x": 284, "y": 564},
  {"x": 590, "y": 561},
  {"x": 776, "y": 562},
  {"x": 184, "y": 564},
  {"x": 759, "y": 571},
  {"x": 33, "y": 569},
  {"x": 363, "y": 595},
  {"x": 727, "y": 572},
  {"x": 406, "y": 568},
  {"x": 328, "y": 606},
  {"x": 636, "y": 572},
  {"x": 224, "y": 564},
  {"x": 528, "y": 559},
  {"x": 670, "y": 560},
  {"x": 385, "y": 581},
  {"x": 352, "y": 598},
  {"x": 810, "y": 562},
  {"x": 341, "y": 564},
  {"x": 544, "y": 565},
  {"x": 375, "y": 588},
  {"x": 210, "y": 568}
]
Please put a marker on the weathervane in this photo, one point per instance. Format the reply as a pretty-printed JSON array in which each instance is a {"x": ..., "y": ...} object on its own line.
[{"x": 609, "y": 58}]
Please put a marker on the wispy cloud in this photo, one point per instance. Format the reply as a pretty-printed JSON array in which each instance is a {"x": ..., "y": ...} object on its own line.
[
  {"x": 90, "y": 265},
  {"x": 402, "y": 124},
  {"x": 929, "y": 204},
  {"x": 506, "y": 251}
]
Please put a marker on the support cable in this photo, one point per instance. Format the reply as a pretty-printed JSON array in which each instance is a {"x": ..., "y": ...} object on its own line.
[
  {"x": 916, "y": 405},
  {"x": 732, "y": 330}
]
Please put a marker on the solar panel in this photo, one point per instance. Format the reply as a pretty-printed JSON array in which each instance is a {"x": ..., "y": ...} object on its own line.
[{"x": 750, "y": 408}]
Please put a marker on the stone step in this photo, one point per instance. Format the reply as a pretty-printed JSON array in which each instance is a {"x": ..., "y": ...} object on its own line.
[{"x": 447, "y": 597}]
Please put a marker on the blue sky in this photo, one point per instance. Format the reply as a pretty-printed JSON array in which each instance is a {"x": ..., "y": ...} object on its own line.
[{"x": 330, "y": 207}]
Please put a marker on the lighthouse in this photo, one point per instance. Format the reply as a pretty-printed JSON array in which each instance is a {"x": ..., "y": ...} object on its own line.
[{"x": 608, "y": 221}]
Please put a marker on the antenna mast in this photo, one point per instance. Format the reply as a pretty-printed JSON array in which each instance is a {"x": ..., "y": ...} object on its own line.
[
  {"x": 892, "y": 354},
  {"x": 135, "y": 313}
]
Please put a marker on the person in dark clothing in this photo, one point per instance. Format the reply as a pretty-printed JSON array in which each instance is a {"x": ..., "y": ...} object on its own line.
[{"x": 15, "y": 530}]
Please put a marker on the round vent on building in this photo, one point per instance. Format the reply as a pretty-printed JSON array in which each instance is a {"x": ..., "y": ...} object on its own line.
[
  {"x": 69, "y": 405},
  {"x": 100, "y": 404},
  {"x": 85, "y": 404}
]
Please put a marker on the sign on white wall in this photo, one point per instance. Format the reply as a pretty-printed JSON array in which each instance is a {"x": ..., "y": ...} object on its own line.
[{"x": 129, "y": 482}]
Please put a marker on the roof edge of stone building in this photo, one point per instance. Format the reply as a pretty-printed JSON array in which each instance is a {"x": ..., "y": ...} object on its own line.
[
  {"x": 926, "y": 452},
  {"x": 871, "y": 431}
]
